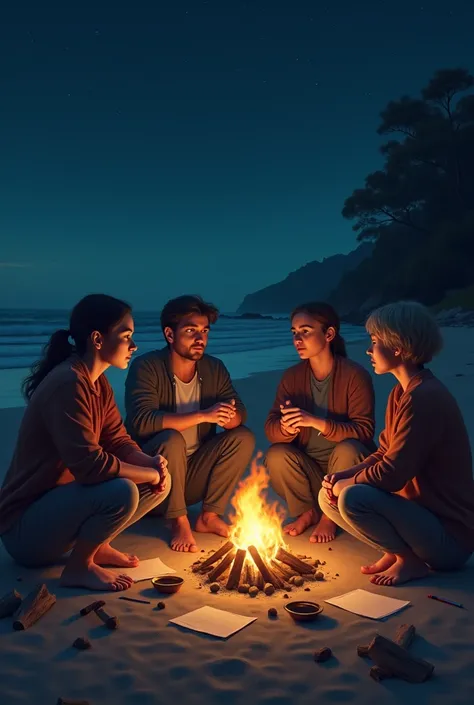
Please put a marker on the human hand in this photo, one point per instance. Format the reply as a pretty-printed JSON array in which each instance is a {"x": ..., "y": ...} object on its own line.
[
  {"x": 330, "y": 480},
  {"x": 221, "y": 413},
  {"x": 161, "y": 466},
  {"x": 295, "y": 417},
  {"x": 340, "y": 485},
  {"x": 286, "y": 428}
]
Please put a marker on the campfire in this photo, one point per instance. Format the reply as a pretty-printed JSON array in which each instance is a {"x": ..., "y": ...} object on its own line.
[{"x": 256, "y": 556}]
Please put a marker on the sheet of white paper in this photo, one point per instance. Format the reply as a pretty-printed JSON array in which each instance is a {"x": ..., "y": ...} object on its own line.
[
  {"x": 211, "y": 621},
  {"x": 368, "y": 604},
  {"x": 145, "y": 570}
]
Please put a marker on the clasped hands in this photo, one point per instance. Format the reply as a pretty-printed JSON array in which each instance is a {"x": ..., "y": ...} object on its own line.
[
  {"x": 221, "y": 413},
  {"x": 334, "y": 484},
  {"x": 293, "y": 419}
]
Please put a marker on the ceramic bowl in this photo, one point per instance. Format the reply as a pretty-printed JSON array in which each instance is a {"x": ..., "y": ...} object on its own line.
[
  {"x": 167, "y": 583},
  {"x": 303, "y": 611}
]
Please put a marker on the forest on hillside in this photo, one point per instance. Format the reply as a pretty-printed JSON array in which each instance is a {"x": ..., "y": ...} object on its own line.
[{"x": 418, "y": 210}]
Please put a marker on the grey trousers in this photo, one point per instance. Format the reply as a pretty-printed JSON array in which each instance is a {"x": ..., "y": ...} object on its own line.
[
  {"x": 296, "y": 477},
  {"x": 209, "y": 475},
  {"x": 50, "y": 527},
  {"x": 394, "y": 524}
]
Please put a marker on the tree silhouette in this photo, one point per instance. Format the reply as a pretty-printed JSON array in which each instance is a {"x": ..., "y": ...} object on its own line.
[
  {"x": 419, "y": 208},
  {"x": 431, "y": 159}
]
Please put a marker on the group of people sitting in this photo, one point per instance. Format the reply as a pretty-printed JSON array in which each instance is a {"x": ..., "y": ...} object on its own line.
[{"x": 79, "y": 475}]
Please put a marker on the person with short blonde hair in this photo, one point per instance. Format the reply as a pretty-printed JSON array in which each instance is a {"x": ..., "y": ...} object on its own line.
[{"x": 414, "y": 497}]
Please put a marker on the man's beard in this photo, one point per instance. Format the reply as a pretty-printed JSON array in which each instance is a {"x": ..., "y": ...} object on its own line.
[{"x": 194, "y": 354}]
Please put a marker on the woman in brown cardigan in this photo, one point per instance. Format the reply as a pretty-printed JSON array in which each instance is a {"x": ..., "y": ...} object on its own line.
[
  {"x": 414, "y": 497},
  {"x": 322, "y": 419},
  {"x": 77, "y": 479}
]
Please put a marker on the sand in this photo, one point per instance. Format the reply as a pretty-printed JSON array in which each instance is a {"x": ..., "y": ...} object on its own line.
[{"x": 148, "y": 661}]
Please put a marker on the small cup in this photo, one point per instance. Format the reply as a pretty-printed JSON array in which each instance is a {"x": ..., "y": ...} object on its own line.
[
  {"x": 167, "y": 583},
  {"x": 302, "y": 611}
]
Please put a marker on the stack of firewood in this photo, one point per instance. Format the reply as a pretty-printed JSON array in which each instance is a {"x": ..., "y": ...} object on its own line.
[{"x": 241, "y": 569}]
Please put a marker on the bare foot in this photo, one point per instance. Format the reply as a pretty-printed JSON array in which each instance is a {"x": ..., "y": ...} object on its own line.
[
  {"x": 324, "y": 532},
  {"x": 106, "y": 555},
  {"x": 402, "y": 571},
  {"x": 304, "y": 521},
  {"x": 211, "y": 523},
  {"x": 387, "y": 560},
  {"x": 93, "y": 577},
  {"x": 182, "y": 538}
]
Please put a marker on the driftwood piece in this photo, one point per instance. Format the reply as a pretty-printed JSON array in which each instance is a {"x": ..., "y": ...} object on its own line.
[
  {"x": 92, "y": 607},
  {"x": 9, "y": 603},
  {"x": 220, "y": 553},
  {"x": 295, "y": 563},
  {"x": 223, "y": 565},
  {"x": 234, "y": 576},
  {"x": 109, "y": 621},
  {"x": 403, "y": 637},
  {"x": 35, "y": 605},
  {"x": 267, "y": 574},
  {"x": 393, "y": 659}
]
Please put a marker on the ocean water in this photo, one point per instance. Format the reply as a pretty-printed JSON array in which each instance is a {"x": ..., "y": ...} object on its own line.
[{"x": 245, "y": 346}]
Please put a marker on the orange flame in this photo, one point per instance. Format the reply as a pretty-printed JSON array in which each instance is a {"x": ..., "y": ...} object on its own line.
[{"x": 255, "y": 522}]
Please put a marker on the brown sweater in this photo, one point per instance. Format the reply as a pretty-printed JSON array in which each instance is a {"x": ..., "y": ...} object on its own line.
[
  {"x": 424, "y": 454},
  {"x": 350, "y": 403},
  {"x": 71, "y": 431}
]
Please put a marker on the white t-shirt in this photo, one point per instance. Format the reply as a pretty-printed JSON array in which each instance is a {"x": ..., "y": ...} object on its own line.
[{"x": 188, "y": 399}]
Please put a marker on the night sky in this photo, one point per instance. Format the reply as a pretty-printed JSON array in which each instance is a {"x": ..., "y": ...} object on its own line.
[{"x": 152, "y": 149}]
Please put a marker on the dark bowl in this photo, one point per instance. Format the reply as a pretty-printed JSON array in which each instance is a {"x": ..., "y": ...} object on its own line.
[
  {"x": 302, "y": 611},
  {"x": 167, "y": 583}
]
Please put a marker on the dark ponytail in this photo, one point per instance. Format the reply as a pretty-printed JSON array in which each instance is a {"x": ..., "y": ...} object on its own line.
[
  {"x": 95, "y": 312},
  {"x": 55, "y": 351},
  {"x": 327, "y": 316}
]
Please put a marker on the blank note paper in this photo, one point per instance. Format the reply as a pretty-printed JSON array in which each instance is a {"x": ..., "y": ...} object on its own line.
[
  {"x": 368, "y": 604},
  {"x": 211, "y": 621},
  {"x": 151, "y": 568}
]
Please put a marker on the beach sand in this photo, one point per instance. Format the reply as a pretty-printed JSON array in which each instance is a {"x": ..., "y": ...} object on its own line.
[{"x": 149, "y": 661}]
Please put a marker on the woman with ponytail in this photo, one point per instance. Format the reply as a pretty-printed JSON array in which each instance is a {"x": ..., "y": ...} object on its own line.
[
  {"x": 77, "y": 479},
  {"x": 322, "y": 418}
]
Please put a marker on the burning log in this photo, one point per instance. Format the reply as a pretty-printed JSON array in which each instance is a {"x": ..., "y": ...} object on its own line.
[
  {"x": 283, "y": 570},
  {"x": 266, "y": 572},
  {"x": 250, "y": 574},
  {"x": 9, "y": 603},
  {"x": 34, "y": 606},
  {"x": 223, "y": 565},
  {"x": 235, "y": 573},
  {"x": 214, "y": 557},
  {"x": 295, "y": 563},
  {"x": 396, "y": 661}
]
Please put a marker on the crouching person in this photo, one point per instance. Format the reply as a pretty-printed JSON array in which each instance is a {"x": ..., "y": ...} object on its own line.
[
  {"x": 322, "y": 420},
  {"x": 175, "y": 398},
  {"x": 77, "y": 479},
  {"x": 413, "y": 499}
]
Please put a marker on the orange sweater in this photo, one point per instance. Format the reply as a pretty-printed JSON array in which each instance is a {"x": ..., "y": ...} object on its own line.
[
  {"x": 424, "y": 454},
  {"x": 71, "y": 431},
  {"x": 350, "y": 403}
]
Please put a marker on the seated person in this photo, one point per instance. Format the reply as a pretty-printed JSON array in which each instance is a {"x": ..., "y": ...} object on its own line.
[
  {"x": 322, "y": 419},
  {"x": 413, "y": 498},
  {"x": 77, "y": 479},
  {"x": 175, "y": 398}
]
